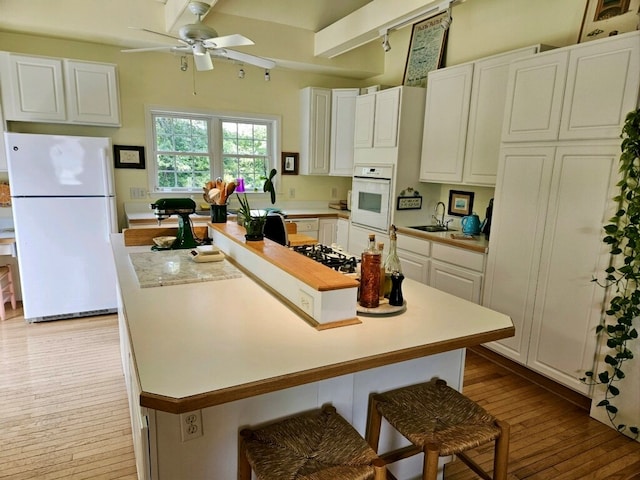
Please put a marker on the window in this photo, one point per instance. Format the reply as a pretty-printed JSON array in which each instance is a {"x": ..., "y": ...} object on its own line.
[{"x": 191, "y": 148}]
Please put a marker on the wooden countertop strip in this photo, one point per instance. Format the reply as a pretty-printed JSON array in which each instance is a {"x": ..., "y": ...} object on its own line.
[
  {"x": 312, "y": 273},
  {"x": 204, "y": 400}
]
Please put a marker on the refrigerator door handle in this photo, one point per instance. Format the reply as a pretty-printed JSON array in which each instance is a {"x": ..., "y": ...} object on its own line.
[{"x": 107, "y": 178}]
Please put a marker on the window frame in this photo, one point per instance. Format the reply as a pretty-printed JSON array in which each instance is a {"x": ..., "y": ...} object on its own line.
[{"x": 215, "y": 119}]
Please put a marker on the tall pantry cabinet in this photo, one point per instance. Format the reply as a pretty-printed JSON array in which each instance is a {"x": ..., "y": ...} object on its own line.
[{"x": 556, "y": 176}]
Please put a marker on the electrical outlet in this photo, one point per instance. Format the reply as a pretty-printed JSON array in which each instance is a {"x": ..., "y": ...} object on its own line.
[
  {"x": 292, "y": 193},
  {"x": 306, "y": 302},
  {"x": 334, "y": 193},
  {"x": 137, "y": 193},
  {"x": 191, "y": 425}
]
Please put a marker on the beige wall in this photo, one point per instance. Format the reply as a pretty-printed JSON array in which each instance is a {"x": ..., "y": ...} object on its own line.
[{"x": 480, "y": 28}]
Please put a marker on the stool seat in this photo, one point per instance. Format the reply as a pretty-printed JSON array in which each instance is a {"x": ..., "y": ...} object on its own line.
[
  {"x": 436, "y": 413},
  {"x": 438, "y": 421},
  {"x": 319, "y": 445}
]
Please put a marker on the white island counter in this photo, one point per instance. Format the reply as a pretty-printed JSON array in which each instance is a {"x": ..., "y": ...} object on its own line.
[{"x": 238, "y": 354}]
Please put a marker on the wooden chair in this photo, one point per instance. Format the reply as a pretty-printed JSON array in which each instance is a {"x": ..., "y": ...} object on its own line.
[
  {"x": 438, "y": 421},
  {"x": 6, "y": 287},
  {"x": 319, "y": 445}
]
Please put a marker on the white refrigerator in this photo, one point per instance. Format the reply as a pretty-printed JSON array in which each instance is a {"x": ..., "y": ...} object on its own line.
[{"x": 64, "y": 212}]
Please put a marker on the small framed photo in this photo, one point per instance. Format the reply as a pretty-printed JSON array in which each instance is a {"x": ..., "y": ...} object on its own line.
[
  {"x": 128, "y": 157},
  {"x": 460, "y": 203},
  {"x": 289, "y": 163}
]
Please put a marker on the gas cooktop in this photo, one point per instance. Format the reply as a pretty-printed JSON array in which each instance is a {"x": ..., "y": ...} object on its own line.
[{"x": 331, "y": 257}]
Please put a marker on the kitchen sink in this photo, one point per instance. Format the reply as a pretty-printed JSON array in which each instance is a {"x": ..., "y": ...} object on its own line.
[{"x": 433, "y": 228}]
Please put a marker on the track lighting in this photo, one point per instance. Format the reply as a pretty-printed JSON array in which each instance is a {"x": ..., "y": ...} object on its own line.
[
  {"x": 267, "y": 77},
  {"x": 241, "y": 73},
  {"x": 183, "y": 64},
  {"x": 385, "y": 42}
]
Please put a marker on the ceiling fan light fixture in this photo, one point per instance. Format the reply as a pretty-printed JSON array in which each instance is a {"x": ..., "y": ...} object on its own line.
[
  {"x": 203, "y": 62},
  {"x": 198, "y": 49}
]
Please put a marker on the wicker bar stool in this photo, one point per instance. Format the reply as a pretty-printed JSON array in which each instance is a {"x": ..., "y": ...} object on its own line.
[
  {"x": 6, "y": 290},
  {"x": 438, "y": 421},
  {"x": 319, "y": 445}
]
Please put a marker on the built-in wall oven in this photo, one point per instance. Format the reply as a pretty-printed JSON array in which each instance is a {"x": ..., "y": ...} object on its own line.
[{"x": 371, "y": 196}]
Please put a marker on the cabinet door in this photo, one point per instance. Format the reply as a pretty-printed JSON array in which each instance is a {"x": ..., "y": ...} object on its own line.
[
  {"x": 315, "y": 117},
  {"x": 365, "y": 111},
  {"x": 34, "y": 90},
  {"x": 568, "y": 304},
  {"x": 534, "y": 97},
  {"x": 387, "y": 110},
  {"x": 486, "y": 113},
  {"x": 456, "y": 281},
  {"x": 327, "y": 231},
  {"x": 342, "y": 233},
  {"x": 521, "y": 196},
  {"x": 343, "y": 111},
  {"x": 602, "y": 87},
  {"x": 445, "y": 124},
  {"x": 415, "y": 267},
  {"x": 92, "y": 93}
]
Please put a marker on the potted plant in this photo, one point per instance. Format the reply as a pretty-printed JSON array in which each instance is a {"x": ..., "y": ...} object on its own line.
[
  {"x": 254, "y": 221},
  {"x": 622, "y": 234}
]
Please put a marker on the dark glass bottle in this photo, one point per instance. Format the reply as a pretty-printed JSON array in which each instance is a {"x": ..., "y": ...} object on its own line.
[
  {"x": 370, "y": 275},
  {"x": 392, "y": 262}
]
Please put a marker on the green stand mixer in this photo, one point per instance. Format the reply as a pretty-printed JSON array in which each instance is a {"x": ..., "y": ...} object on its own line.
[{"x": 183, "y": 207}]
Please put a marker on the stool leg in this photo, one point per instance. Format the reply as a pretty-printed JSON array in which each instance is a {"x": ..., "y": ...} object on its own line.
[
  {"x": 374, "y": 423},
  {"x": 11, "y": 289},
  {"x": 501, "y": 455},
  {"x": 380, "y": 468},
  {"x": 431, "y": 456},
  {"x": 244, "y": 469}
]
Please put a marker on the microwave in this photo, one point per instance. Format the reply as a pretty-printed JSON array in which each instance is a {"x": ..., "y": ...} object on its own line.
[{"x": 371, "y": 190}]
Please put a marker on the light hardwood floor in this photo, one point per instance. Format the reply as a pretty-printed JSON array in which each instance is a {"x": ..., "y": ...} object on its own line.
[
  {"x": 64, "y": 413},
  {"x": 63, "y": 405}
]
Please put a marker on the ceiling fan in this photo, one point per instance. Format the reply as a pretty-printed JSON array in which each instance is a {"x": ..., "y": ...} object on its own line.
[{"x": 203, "y": 42}]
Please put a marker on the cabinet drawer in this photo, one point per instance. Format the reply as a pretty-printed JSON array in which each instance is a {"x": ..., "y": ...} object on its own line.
[
  {"x": 413, "y": 244},
  {"x": 458, "y": 256}
]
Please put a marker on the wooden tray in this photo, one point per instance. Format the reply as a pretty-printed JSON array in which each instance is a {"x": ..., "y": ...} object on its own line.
[{"x": 383, "y": 309}]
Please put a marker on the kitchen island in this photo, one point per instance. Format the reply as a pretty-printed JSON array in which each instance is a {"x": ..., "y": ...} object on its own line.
[{"x": 235, "y": 354}]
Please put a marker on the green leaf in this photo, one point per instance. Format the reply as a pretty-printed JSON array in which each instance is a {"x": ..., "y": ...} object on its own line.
[
  {"x": 613, "y": 390},
  {"x": 610, "y": 360},
  {"x": 611, "y": 409},
  {"x": 603, "y": 403},
  {"x": 603, "y": 377}
]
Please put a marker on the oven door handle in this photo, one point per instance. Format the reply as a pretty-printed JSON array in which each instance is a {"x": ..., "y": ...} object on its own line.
[{"x": 372, "y": 179}]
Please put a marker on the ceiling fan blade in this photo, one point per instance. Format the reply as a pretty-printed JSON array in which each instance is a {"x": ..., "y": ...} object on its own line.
[
  {"x": 244, "y": 58},
  {"x": 235, "y": 40},
  {"x": 157, "y": 33},
  {"x": 203, "y": 62},
  {"x": 151, "y": 49}
]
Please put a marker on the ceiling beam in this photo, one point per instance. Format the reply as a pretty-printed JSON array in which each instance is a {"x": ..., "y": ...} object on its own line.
[{"x": 365, "y": 24}]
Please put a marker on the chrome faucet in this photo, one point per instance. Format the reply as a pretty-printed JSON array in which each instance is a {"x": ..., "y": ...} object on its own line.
[{"x": 439, "y": 221}]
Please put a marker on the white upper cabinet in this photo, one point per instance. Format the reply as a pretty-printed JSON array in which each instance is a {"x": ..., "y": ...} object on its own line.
[
  {"x": 54, "y": 90},
  {"x": 32, "y": 88},
  {"x": 463, "y": 120},
  {"x": 315, "y": 118},
  {"x": 365, "y": 111},
  {"x": 445, "y": 124},
  {"x": 602, "y": 87},
  {"x": 92, "y": 93},
  {"x": 343, "y": 113},
  {"x": 377, "y": 116},
  {"x": 580, "y": 92}
]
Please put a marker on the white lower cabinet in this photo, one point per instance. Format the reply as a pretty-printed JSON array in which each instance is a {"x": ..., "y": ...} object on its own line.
[
  {"x": 414, "y": 257},
  {"x": 327, "y": 230},
  {"x": 457, "y": 271},
  {"x": 546, "y": 246},
  {"x": 342, "y": 233}
]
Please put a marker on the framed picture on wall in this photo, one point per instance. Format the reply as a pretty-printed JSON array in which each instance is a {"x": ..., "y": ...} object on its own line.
[
  {"x": 128, "y": 157},
  {"x": 426, "y": 50},
  {"x": 460, "y": 203},
  {"x": 605, "y": 18},
  {"x": 289, "y": 163}
]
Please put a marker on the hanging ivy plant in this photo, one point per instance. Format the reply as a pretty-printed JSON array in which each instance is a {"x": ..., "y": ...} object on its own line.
[{"x": 622, "y": 235}]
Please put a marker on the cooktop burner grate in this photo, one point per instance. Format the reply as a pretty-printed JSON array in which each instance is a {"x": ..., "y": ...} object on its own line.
[{"x": 329, "y": 256}]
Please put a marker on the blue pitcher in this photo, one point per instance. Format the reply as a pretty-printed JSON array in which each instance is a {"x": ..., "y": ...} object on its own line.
[{"x": 471, "y": 224}]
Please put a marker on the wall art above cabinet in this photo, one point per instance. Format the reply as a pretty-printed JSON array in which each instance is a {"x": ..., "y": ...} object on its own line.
[{"x": 59, "y": 90}]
